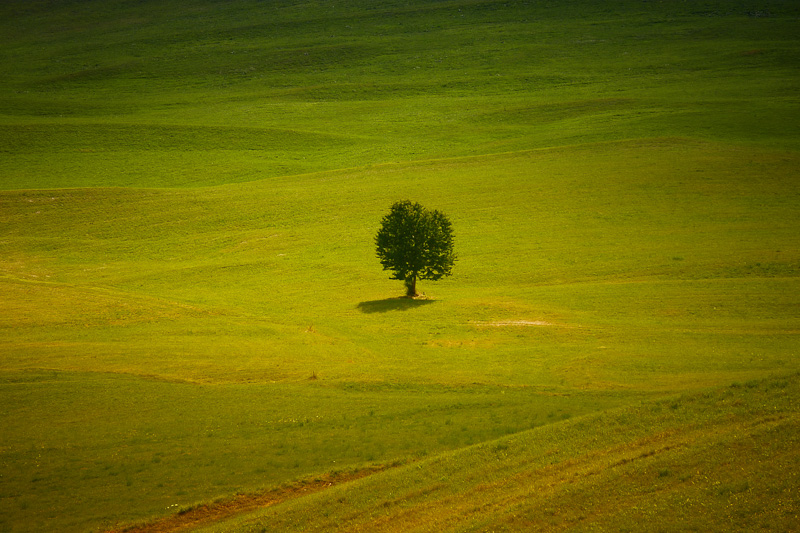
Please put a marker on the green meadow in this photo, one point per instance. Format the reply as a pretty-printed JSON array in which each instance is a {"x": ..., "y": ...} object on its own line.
[{"x": 191, "y": 308}]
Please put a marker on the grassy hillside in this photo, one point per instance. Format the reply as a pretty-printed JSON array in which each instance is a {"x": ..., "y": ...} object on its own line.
[
  {"x": 720, "y": 461},
  {"x": 190, "y": 305},
  {"x": 165, "y": 94}
]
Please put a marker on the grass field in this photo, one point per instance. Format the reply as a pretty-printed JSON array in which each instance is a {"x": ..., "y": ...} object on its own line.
[
  {"x": 659, "y": 466},
  {"x": 191, "y": 307}
]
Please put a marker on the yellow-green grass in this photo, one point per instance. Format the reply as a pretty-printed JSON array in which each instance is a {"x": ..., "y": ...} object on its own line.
[
  {"x": 580, "y": 287},
  {"x": 190, "y": 305},
  {"x": 720, "y": 461},
  {"x": 691, "y": 239}
]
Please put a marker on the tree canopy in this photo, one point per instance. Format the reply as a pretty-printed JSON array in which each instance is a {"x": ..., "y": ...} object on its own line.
[{"x": 415, "y": 243}]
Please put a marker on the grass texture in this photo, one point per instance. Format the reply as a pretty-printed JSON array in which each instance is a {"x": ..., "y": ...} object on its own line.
[
  {"x": 719, "y": 461},
  {"x": 191, "y": 306}
]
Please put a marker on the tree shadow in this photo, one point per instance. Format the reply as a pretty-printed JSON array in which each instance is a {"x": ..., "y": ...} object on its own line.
[{"x": 392, "y": 304}]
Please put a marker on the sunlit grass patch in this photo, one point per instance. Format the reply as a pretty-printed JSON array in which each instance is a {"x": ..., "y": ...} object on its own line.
[{"x": 191, "y": 306}]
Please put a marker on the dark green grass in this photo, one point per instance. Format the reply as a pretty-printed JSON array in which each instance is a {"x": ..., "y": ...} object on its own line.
[{"x": 136, "y": 95}]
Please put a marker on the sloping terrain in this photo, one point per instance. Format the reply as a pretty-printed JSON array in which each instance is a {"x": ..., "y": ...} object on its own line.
[
  {"x": 726, "y": 460},
  {"x": 148, "y": 94},
  {"x": 191, "y": 308}
]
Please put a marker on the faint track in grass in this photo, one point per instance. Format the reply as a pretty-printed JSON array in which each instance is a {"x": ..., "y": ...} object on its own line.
[{"x": 208, "y": 513}]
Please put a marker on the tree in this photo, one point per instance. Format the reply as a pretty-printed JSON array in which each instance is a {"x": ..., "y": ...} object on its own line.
[{"x": 415, "y": 243}]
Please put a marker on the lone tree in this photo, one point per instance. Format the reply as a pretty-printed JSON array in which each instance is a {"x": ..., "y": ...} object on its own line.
[{"x": 415, "y": 243}]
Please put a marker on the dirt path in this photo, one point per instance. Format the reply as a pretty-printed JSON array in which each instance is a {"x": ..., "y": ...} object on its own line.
[{"x": 241, "y": 503}]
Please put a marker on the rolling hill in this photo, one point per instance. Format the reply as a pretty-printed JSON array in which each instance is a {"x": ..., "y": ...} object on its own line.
[{"x": 191, "y": 307}]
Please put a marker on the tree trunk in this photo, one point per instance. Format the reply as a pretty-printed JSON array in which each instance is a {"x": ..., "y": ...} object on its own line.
[{"x": 411, "y": 286}]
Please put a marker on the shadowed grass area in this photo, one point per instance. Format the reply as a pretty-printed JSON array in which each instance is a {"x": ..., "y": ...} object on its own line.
[
  {"x": 233, "y": 93},
  {"x": 392, "y": 304}
]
